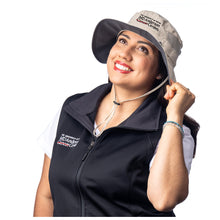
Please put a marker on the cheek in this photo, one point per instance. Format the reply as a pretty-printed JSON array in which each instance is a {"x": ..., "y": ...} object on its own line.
[
  {"x": 111, "y": 56},
  {"x": 144, "y": 67},
  {"x": 109, "y": 61},
  {"x": 150, "y": 66},
  {"x": 148, "y": 71},
  {"x": 110, "y": 67},
  {"x": 112, "y": 52}
]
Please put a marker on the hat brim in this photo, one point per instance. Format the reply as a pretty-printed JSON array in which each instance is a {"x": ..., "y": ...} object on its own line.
[{"x": 105, "y": 36}]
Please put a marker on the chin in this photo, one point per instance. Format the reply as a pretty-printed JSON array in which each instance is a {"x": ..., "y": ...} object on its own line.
[
  {"x": 118, "y": 81},
  {"x": 129, "y": 82}
]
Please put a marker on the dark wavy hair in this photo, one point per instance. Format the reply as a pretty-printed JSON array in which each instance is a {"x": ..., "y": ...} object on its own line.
[{"x": 187, "y": 121}]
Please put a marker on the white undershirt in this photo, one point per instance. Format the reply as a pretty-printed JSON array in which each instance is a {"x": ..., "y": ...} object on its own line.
[{"x": 47, "y": 138}]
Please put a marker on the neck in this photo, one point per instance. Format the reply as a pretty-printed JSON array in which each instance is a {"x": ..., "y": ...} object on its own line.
[
  {"x": 124, "y": 96},
  {"x": 126, "y": 100},
  {"x": 138, "y": 95}
]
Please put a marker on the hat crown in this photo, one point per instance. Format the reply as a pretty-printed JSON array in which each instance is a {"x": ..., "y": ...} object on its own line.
[{"x": 162, "y": 30}]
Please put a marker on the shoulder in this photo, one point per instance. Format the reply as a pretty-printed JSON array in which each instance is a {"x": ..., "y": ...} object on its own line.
[
  {"x": 94, "y": 93},
  {"x": 73, "y": 98}
]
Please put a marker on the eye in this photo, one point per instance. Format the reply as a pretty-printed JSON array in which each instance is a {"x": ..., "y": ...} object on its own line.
[
  {"x": 122, "y": 41},
  {"x": 143, "y": 49}
]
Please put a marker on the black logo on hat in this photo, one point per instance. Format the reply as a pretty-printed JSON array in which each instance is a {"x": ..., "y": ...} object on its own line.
[{"x": 152, "y": 23}]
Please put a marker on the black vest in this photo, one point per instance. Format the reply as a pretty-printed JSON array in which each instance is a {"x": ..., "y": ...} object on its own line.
[{"x": 108, "y": 175}]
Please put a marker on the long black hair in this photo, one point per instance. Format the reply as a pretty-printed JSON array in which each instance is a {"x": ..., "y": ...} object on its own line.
[{"x": 187, "y": 121}]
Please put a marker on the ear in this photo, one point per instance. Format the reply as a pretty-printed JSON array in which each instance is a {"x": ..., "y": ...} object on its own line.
[{"x": 159, "y": 76}]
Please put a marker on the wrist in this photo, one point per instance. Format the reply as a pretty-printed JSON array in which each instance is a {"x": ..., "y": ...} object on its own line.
[
  {"x": 175, "y": 117},
  {"x": 175, "y": 124}
]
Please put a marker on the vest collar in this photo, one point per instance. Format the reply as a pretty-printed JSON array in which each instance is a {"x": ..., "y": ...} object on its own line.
[{"x": 146, "y": 117}]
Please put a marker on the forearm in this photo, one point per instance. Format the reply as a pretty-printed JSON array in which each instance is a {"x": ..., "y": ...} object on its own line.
[
  {"x": 168, "y": 179},
  {"x": 43, "y": 203},
  {"x": 43, "y": 207}
]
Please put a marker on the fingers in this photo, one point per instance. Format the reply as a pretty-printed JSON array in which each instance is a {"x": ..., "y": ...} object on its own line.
[
  {"x": 182, "y": 90},
  {"x": 177, "y": 88},
  {"x": 170, "y": 92},
  {"x": 180, "y": 99}
]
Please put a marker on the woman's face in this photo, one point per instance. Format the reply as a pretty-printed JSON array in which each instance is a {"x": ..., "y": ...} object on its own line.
[{"x": 133, "y": 62}]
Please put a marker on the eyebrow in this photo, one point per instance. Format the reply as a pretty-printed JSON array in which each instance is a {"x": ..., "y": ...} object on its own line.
[{"x": 140, "y": 42}]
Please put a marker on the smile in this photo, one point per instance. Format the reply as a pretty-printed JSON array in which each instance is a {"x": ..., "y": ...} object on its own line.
[{"x": 122, "y": 67}]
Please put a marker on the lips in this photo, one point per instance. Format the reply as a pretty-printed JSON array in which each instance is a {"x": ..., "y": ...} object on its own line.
[{"x": 122, "y": 67}]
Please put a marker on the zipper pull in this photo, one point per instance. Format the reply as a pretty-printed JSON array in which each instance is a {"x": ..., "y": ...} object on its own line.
[
  {"x": 91, "y": 145},
  {"x": 89, "y": 148}
]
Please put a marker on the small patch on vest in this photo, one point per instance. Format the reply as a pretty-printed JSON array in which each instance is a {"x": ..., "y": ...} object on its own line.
[{"x": 68, "y": 141}]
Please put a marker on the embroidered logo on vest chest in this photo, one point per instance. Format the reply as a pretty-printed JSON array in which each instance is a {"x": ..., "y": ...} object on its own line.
[{"x": 68, "y": 141}]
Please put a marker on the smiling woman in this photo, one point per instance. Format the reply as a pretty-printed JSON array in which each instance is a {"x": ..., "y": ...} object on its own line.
[{"x": 131, "y": 143}]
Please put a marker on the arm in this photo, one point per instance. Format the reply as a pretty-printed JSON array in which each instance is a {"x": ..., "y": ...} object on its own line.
[
  {"x": 43, "y": 202},
  {"x": 168, "y": 178}
]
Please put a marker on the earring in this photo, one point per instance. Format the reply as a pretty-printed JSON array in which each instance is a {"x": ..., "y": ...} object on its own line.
[{"x": 158, "y": 77}]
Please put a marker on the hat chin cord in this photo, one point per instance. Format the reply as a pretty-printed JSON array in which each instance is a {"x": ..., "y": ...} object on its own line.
[{"x": 116, "y": 104}]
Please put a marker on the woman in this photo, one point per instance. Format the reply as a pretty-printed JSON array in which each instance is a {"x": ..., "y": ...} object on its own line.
[{"x": 125, "y": 148}]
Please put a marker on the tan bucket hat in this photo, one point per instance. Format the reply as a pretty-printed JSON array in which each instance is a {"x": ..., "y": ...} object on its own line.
[{"x": 150, "y": 25}]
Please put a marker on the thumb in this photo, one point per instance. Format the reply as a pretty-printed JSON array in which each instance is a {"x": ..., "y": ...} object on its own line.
[
  {"x": 166, "y": 96},
  {"x": 171, "y": 82}
]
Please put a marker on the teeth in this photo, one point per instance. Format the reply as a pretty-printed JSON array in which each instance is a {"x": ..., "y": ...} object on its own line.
[{"x": 121, "y": 67}]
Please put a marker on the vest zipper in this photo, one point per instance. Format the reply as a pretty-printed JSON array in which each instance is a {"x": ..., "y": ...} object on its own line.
[
  {"x": 79, "y": 174},
  {"x": 89, "y": 149}
]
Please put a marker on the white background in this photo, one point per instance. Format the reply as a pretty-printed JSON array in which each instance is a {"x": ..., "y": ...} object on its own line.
[{"x": 45, "y": 56}]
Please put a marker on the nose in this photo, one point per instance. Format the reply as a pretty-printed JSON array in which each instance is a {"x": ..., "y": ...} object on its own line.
[{"x": 126, "y": 54}]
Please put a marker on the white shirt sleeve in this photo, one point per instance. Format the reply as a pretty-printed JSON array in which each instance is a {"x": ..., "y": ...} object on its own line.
[
  {"x": 47, "y": 138},
  {"x": 188, "y": 148}
]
